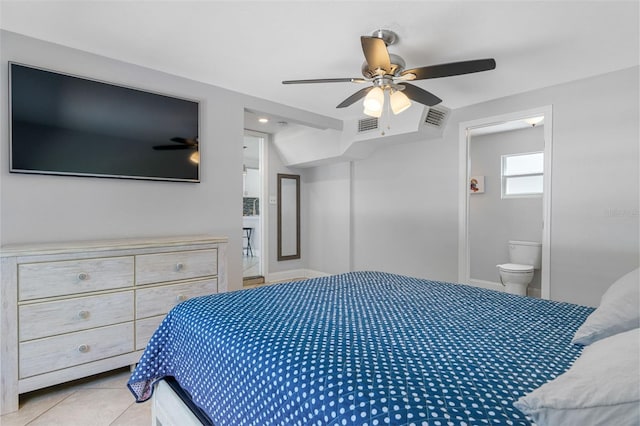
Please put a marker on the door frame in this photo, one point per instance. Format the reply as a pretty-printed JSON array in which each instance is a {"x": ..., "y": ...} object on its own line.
[
  {"x": 264, "y": 189},
  {"x": 464, "y": 273}
]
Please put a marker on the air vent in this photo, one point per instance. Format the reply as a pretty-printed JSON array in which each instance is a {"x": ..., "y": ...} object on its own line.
[
  {"x": 437, "y": 116},
  {"x": 367, "y": 124}
]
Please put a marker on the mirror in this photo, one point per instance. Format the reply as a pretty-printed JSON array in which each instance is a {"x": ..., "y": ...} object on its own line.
[{"x": 288, "y": 217}]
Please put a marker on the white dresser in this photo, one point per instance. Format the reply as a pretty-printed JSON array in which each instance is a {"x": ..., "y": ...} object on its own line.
[{"x": 71, "y": 310}]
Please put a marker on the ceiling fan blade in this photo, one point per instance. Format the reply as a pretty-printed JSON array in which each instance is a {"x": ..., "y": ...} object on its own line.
[
  {"x": 420, "y": 95},
  {"x": 355, "y": 97},
  {"x": 172, "y": 147},
  {"x": 376, "y": 54},
  {"x": 186, "y": 141},
  {"x": 326, "y": 80},
  {"x": 451, "y": 69}
]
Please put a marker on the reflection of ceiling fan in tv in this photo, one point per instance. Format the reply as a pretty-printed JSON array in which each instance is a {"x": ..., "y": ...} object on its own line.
[
  {"x": 184, "y": 143},
  {"x": 386, "y": 74}
]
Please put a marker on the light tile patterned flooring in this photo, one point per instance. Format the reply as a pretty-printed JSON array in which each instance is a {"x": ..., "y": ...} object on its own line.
[
  {"x": 102, "y": 400},
  {"x": 250, "y": 265}
]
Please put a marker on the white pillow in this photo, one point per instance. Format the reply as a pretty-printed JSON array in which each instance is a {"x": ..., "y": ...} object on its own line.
[
  {"x": 601, "y": 388},
  {"x": 619, "y": 311}
]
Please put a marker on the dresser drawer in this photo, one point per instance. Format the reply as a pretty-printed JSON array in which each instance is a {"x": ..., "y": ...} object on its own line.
[
  {"x": 179, "y": 265},
  {"x": 38, "y": 280},
  {"x": 39, "y": 320},
  {"x": 54, "y": 353},
  {"x": 159, "y": 300},
  {"x": 145, "y": 329}
]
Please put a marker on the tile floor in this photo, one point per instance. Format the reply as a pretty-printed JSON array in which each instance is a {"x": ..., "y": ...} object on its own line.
[
  {"x": 250, "y": 265},
  {"x": 101, "y": 400}
]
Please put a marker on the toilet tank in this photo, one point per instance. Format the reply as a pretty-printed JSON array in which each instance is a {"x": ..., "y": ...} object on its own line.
[{"x": 525, "y": 253}]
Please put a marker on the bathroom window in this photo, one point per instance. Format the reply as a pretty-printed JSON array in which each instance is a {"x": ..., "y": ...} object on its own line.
[{"x": 522, "y": 175}]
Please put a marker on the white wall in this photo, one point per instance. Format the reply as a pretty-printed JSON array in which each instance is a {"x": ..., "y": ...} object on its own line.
[
  {"x": 594, "y": 173},
  {"x": 275, "y": 166},
  {"x": 404, "y": 210},
  {"x": 405, "y": 197},
  {"x": 36, "y": 208},
  {"x": 328, "y": 241}
]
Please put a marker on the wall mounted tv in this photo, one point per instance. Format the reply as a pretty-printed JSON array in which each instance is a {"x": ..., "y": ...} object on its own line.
[{"x": 67, "y": 125}]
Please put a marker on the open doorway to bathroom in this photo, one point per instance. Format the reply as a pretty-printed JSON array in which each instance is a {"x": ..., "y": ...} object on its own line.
[
  {"x": 505, "y": 195},
  {"x": 253, "y": 208}
]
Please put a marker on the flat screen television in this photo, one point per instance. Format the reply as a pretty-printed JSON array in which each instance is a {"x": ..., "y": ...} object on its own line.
[{"x": 67, "y": 125}]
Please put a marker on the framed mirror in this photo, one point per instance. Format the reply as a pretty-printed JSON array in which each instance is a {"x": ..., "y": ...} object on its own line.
[{"x": 288, "y": 216}]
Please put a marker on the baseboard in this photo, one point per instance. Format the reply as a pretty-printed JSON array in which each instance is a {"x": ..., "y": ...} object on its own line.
[
  {"x": 294, "y": 274},
  {"x": 487, "y": 284},
  {"x": 251, "y": 281},
  {"x": 531, "y": 291},
  {"x": 315, "y": 274},
  {"x": 534, "y": 292}
]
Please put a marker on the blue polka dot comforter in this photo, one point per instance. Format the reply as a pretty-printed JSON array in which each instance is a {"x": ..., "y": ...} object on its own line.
[{"x": 362, "y": 348}]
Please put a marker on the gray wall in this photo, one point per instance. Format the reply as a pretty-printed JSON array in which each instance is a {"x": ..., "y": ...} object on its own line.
[
  {"x": 403, "y": 205},
  {"x": 404, "y": 210},
  {"x": 594, "y": 183},
  {"x": 328, "y": 237},
  {"x": 59, "y": 208},
  {"x": 36, "y": 208},
  {"x": 275, "y": 166},
  {"x": 494, "y": 221},
  {"x": 404, "y": 200}
]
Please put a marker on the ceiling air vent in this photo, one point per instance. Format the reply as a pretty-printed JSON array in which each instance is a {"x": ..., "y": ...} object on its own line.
[
  {"x": 437, "y": 116},
  {"x": 367, "y": 124}
]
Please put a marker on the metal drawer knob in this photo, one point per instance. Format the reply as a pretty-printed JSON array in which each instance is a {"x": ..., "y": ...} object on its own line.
[
  {"x": 83, "y": 276},
  {"x": 179, "y": 267},
  {"x": 83, "y": 349},
  {"x": 83, "y": 314},
  {"x": 181, "y": 298}
]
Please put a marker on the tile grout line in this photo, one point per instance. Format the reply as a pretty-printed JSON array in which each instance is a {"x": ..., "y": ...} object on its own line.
[
  {"x": 122, "y": 414},
  {"x": 50, "y": 408}
]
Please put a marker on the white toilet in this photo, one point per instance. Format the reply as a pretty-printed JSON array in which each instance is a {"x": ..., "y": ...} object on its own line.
[{"x": 524, "y": 257}]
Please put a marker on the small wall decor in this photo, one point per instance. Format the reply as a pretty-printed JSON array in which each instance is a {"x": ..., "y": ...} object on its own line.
[{"x": 476, "y": 185}]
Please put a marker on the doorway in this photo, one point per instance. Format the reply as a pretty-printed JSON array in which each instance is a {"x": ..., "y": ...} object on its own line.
[
  {"x": 253, "y": 211},
  {"x": 475, "y": 237}
]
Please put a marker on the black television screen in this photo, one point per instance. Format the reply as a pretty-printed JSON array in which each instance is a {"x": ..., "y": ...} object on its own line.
[{"x": 67, "y": 125}]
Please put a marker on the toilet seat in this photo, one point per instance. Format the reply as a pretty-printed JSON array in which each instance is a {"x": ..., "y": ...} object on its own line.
[{"x": 515, "y": 268}]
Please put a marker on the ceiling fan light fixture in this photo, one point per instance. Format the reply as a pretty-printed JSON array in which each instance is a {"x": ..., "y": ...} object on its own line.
[
  {"x": 374, "y": 101},
  {"x": 399, "y": 102},
  {"x": 195, "y": 157},
  {"x": 371, "y": 113}
]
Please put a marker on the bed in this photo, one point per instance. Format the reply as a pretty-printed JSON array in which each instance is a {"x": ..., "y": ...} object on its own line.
[{"x": 360, "y": 348}]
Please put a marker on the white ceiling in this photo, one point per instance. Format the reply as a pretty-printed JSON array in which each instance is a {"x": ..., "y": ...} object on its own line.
[{"x": 250, "y": 47}]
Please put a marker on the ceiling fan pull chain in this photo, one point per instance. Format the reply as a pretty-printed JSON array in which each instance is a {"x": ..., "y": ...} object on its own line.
[{"x": 386, "y": 112}]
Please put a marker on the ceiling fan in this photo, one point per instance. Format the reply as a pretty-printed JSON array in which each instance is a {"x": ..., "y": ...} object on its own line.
[
  {"x": 185, "y": 143},
  {"x": 386, "y": 71}
]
